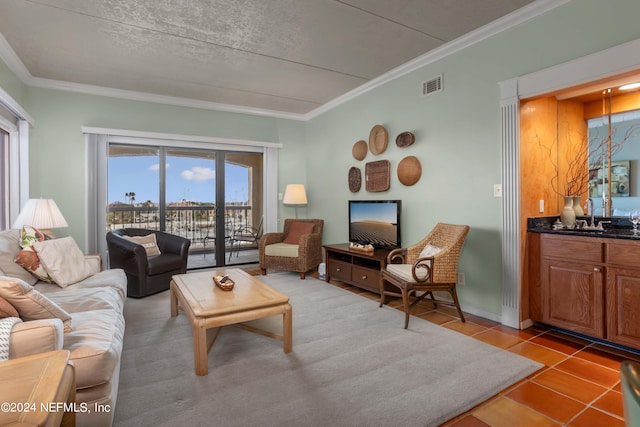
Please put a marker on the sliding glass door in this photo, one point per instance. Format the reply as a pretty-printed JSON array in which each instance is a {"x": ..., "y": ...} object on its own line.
[{"x": 182, "y": 191}]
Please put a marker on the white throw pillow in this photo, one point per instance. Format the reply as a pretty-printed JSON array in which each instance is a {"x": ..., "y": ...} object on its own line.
[
  {"x": 31, "y": 304},
  {"x": 63, "y": 260},
  {"x": 429, "y": 250},
  {"x": 148, "y": 242}
]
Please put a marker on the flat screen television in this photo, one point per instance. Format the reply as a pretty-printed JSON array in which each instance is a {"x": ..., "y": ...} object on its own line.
[{"x": 375, "y": 222}]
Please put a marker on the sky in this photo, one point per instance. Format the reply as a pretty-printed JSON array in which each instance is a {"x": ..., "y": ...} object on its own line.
[
  {"x": 187, "y": 177},
  {"x": 386, "y": 212}
]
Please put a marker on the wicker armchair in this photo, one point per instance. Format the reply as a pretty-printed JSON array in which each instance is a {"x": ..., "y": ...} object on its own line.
[
  {"x": 281, "y": 256},
  {"x": 429, "y": 265}
]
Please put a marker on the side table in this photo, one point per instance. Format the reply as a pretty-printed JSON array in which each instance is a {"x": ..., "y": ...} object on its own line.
[{"x": 37, "y": 390}]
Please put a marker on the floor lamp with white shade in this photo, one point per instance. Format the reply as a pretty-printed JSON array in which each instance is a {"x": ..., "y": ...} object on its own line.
[{"x": 294, "y": 194}]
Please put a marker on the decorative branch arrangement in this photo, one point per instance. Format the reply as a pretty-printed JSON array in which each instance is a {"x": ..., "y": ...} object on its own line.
[{"x": 581, "y": 161}]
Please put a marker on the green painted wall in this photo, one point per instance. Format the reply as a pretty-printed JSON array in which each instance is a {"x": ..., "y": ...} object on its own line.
[
  {"x": 11, "y": 84},
  {"x": 457, "y": 135},
  {"x": 57, "y": 144}
]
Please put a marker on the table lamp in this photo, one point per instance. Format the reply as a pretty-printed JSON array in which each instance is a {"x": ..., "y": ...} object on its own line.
[{"x": 42, "y": 214}]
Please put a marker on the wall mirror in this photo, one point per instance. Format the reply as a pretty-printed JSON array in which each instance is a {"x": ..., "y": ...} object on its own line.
[
  {"x": 582, "y": 142},
  {"x": 614, "y": 158}
]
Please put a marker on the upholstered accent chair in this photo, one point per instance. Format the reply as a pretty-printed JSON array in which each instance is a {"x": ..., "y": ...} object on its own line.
[
  {"x": 148, "y": 272},
  {"x": 428, "y": 266},
  {"x": 297, "y": 248}
]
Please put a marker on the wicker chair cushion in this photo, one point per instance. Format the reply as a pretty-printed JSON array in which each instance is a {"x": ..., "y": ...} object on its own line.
[
  {"x": 296, "y": 231},
  {"x": 429, "y": 250},
  {"x": 281, "y": 249},
  {"x": 404, "y": 271}
]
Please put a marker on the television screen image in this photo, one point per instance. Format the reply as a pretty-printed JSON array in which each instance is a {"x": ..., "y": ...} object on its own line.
[{"x": 375, "y": 222}]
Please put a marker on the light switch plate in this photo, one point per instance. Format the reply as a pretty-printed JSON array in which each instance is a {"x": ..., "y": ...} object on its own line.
[{"x": 497, "y": 190}]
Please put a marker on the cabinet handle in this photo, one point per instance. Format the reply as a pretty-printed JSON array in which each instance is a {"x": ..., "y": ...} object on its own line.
[
  {"x": 596, "y": 269},
  {"x": 364, "y": 277},
  {"x": 337, "y": 269}
]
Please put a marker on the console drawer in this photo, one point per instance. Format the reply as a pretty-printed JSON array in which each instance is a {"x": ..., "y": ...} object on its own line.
[
  {"x": 340, "y": 270},
  {"x": 366, "y": 277}
]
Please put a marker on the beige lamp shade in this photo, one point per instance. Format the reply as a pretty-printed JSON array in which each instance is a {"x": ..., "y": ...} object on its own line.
[
  {"x": 294, "y": 194},
  {"x": 40, "y": 213}
]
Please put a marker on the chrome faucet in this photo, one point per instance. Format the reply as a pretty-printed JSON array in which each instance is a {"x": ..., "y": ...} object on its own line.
[{"x": 592, "y": 213}]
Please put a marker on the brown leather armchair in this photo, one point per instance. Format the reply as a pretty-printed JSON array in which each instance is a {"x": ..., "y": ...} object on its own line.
[
  {"x": 281, "y": 256},
  {"x": 147, "y": 275}
]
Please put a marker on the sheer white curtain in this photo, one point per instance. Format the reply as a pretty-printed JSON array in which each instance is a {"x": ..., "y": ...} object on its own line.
[{"x": 96, "y": 148}]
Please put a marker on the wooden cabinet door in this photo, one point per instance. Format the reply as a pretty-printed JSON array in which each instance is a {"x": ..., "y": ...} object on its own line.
[
  {"x": 366, "y": 278},
  {"x": 573, "y": 297},
  {"x": 623, "y": 306},
  {"x": 339, "y": 270}
]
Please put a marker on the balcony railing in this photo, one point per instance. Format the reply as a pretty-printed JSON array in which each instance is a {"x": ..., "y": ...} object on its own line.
[{"x": 196, "y": 223}]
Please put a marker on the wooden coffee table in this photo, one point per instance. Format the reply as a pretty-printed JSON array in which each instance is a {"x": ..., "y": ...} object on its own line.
[{"x": 209, "y": 307}]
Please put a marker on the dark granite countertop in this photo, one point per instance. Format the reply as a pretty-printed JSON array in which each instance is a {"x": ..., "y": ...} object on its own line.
[{"x": 619, "y": 228}]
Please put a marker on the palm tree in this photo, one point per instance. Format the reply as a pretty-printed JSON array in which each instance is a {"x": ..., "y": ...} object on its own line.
[{"x": 131, "y": 196}]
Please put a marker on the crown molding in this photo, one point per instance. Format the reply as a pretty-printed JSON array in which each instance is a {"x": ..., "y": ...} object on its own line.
[
  {"x": 524, "y": 14},
  {"x": 515, "y": 18},
  {"x": 14, "y": 63},
  {"x": 159, "y": 99}
]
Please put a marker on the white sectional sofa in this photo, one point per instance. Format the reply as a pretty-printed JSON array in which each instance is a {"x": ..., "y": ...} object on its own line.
[{"x": 96, "y": 333}]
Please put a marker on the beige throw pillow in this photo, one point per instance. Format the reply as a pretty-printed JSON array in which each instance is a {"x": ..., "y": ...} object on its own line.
[
  {"x": 9, "y": 248},
  {"x": 148, "y": 242},
  {"x": 31, "y": 304},
  {"x": 63, "y": 260}
]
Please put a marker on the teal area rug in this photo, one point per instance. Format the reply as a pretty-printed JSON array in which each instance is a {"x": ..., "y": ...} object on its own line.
[{"x": 352, "y": 364}]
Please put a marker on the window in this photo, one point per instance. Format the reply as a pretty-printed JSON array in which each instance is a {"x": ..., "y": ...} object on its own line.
[
  {"x": 178, "y": 190},
  {"x": 172, "y": 183}
]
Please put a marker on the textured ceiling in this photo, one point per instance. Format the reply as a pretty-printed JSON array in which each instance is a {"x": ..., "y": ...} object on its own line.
[{"x": 290, "y": 56}]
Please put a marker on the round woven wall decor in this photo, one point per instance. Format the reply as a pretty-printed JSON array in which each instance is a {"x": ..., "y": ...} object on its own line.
[
  {"x": 378, "y": 139},
  {"x": 405, "y": 139},
  {"x": 409, "y": 170},
  {"x": 355, "y": 179},
  {"x": 359, "y": 150}
]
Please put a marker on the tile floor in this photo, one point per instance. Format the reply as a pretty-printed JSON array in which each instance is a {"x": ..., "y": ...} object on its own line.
[{"x": 578, "y": 386}]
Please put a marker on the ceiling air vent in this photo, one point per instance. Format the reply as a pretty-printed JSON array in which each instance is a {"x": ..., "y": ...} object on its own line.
[{"x": 432, "y": 86}]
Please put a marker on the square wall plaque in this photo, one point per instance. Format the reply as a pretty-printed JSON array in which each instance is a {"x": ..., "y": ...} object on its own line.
[{"x": 377, "y": 175}]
